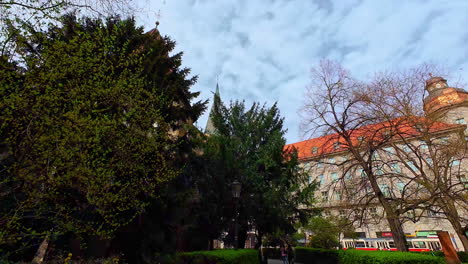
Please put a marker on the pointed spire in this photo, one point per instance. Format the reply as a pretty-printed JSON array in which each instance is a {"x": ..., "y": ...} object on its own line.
[{"x": 210, "y": 129}]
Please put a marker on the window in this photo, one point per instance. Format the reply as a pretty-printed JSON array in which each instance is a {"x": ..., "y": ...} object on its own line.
[
  {"x": 319, "y": 164},
  {"x": 361, "y": 172},
  {"x": 314, "y": 150},
  {"x": 400, "y": 186},
  {"x": 360, "y": 138},
  {"x": 387, "y": 133},
  {"x": 336, "y": 145},
  {"x": 410, "y": 214},
  {"x": 411, "y": 165},
  {"x": 321, "y": 180},
  {"x": 379, "y": 171},
  {"x": 444, "y": 140},
  {"x": 334, "y": 176},
  {"x": 389, "y": 150},
  {"x": 429, "y": 161},
  {"x": 406, "y": 148},
  {"x": 395, "y": 167},
  {"x": 375, "y": 156},
  {"x": 348, "y": 175},
  {"x": 324, "y": 196},
  {"x": 331, "y": 160},
  {"x": 460, "y": 121},
  {"x": 464, "y": 180},
  {"x": 455, "y": 163},
  {"x": 423, "y": 145},
  {"x": 338, "y": 196},
  {"x": 385, "y": 190}
]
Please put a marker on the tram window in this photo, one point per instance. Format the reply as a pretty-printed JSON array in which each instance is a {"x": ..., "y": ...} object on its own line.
[
  {"x": 360, "y": 244},
  {"x": 391, "y": 244}
]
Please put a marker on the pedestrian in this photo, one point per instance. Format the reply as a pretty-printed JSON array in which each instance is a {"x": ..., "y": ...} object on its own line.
[
  {"x": 291, "y": 254},
  {"x": 284, "y": 254}
]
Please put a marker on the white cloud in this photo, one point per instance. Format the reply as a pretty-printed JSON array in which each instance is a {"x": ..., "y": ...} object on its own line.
[{"x": 263, "y": 49}]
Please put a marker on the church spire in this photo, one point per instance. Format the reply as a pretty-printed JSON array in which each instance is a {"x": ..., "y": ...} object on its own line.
[{"x": 210, "y": 129}]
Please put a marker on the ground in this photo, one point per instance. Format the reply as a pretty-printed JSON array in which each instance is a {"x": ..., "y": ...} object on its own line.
[{"x": 277, "y": 261}]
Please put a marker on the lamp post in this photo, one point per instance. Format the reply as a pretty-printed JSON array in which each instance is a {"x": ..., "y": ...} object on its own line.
[{"x": 236, "y": 189}]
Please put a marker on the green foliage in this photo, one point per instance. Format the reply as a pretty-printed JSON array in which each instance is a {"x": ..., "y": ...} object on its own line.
[
  {"x": 385, "y": 257},
  {"x": 314, "y": 255},
  {"x": 325, "y": 233},
  {"x": 225, "y": 256},
  {"x": 248, "y": 146},
  {"x": 462, "y": 255},
  {"x": 87, "y": 109}
]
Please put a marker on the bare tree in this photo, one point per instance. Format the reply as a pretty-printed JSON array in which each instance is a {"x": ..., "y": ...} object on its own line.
[
  {"x": 394, "y": 155},
  {"x": 432, "y": 153},
  {"x": 334, "y": 106}
]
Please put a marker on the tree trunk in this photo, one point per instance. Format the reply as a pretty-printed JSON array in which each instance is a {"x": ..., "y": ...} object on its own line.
[
  {"x": 41, "y": 251},
  {"x": 242, "y": 236},
  {"x": 392, "y": 217},
  {"x": 398, "y": 234},
  {"x": 259, "y": 240}
]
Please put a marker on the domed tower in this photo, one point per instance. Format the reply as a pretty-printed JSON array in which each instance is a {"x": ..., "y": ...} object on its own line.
[{"x": 446, "y": 103}]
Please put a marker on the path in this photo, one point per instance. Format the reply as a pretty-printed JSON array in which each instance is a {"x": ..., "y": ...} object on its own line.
[{"x": 277, "y": 261}]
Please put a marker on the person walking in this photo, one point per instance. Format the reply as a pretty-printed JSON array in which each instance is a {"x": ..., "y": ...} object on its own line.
[
  {"x": 284, "y": 254},
  {"x": 291, "y": 254}
]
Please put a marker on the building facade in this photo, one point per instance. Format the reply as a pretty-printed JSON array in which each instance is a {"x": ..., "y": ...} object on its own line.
[{"x": 408, "y": 167}]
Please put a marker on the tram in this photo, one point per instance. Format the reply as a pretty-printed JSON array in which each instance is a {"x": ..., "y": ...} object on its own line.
[{"x": 414, "y": 244}]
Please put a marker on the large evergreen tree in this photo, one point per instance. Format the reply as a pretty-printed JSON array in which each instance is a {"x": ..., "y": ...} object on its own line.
[
  {"x": 248, "y": 146},
  {"x": 94, "y": 118}
]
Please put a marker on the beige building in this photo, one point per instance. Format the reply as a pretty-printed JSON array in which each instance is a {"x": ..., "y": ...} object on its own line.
[{"x": 405, "y": 168}]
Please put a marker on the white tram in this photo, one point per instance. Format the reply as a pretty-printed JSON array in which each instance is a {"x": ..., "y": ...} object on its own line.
[{"x": 415, "y": 244}]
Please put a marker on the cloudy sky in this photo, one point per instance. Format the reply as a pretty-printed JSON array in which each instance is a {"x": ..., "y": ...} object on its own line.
[{"x": 263, "y": 50}]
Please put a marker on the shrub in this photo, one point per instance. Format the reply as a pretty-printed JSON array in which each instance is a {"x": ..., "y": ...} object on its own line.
[
  {"x": 316, "y": 255},
  {"x": 386, "y": 257},
  {"x": 224, "y": 256},
  {"x": 463, "y": 256}
]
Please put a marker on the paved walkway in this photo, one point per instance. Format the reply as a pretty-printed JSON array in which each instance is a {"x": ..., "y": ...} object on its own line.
[{"x": 277, "y": 261}]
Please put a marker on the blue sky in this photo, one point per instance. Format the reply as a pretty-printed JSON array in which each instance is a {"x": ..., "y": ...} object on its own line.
[{"x": 263, "y": 50}]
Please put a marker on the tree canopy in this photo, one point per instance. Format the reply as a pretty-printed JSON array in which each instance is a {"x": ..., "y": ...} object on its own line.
[
  {"x": 95, "y": 115},
  {"x": 248, "y": 145}
]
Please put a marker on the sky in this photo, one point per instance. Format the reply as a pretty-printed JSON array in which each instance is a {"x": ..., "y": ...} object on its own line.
[{"x": 263, "y": 50}]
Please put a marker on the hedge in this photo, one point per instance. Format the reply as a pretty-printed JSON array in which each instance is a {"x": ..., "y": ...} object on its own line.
[
  {"x": 316, "y": 255},
  {"x": 222, "y": 256},
  {"x": 353, "y": 256},
  {"x": 462, "y": 255}
]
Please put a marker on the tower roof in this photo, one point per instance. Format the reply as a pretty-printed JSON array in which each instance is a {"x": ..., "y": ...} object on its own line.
[
  {"x": 210, "y": 129},
  {"x": 441, "y": 96}
]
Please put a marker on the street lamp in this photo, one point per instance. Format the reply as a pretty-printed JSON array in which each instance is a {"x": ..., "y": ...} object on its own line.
[{"x": 236, "y": 190}]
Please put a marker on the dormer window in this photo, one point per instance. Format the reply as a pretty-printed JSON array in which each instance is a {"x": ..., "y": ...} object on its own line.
[
  {"x": 360, "y": 139},
  {"x": 336, "y": 145},
  {"x": 314, "y": 150}
]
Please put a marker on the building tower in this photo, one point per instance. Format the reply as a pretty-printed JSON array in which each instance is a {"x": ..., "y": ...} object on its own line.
[
  {"x": 210, "y": 129},
  {"x": 444, "y": 103}
]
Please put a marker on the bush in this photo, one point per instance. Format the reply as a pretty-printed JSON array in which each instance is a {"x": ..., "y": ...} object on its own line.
[
  {"x": 462, "y": 255},
  {"x": 223, "y": 256},
  {"x": 386, "y": 257},
  {"x": 314, "y": 255}
]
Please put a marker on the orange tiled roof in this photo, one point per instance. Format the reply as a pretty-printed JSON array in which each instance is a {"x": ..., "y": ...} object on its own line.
[{"x": 397, "y": 127}]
